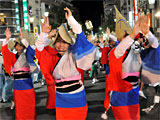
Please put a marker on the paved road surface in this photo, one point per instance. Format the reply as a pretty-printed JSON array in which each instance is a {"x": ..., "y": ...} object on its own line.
[{"x": 95, "y": 97}]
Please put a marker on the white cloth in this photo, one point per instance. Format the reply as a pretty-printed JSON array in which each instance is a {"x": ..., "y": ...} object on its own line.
[
  {"x": 152, "y": 40},
  {"x": 1, "y": 62},
  {"x": 25, "y": 43},
  {"x": 98, "y": 54},
  {"x": 123, "y": 46},
  {"x": 128, "y": 41},
  {"x": 42, "y": 41},
  {"x": 76, "y": 27},
  {"x": 113, "y": 37},
  {"x": 5, "y": 42},
  {"x": 66, "y": 67}
]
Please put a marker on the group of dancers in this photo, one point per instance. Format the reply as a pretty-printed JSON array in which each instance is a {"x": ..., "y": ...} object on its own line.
[{"x": 63, "y": 68}]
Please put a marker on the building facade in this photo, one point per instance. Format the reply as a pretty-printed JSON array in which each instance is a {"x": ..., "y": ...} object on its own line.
[{"x": 9, "y": 17}]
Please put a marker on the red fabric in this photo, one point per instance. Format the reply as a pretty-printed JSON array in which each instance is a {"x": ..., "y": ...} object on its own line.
[
  {"x": 9, "y": 59},
  {"x": 131, "y": 112},
  {"x": 104, "y": 55},
  {"x": 51, "y": 97},
  {"x": 115, "y": 82},
  {"x": 48, "y": 59},
  {"x": 72, "y": 113},
  {"x": 24, "y": 99},
  {"x": 25, "y": 105},
  {"x": 82, "y": 74}
]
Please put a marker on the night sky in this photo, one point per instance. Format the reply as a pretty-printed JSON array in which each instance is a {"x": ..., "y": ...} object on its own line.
[{"x": 90, "y": 10}]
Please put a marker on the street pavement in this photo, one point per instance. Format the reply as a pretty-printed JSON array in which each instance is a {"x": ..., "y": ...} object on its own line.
[{"x": 95, "y": 98}]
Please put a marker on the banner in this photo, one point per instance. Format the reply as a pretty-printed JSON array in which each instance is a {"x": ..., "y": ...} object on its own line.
[
  {"x": 25, "y": 14},
  {"x": 17, "y": 15},
  {"x": 136, "y": 12}
]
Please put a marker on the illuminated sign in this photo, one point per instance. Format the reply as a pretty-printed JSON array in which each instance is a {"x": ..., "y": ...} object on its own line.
[
  {"x": 25, "y": 14},
  {"x": 136, "y": 13},
  {"x": 17, "y": 15}
]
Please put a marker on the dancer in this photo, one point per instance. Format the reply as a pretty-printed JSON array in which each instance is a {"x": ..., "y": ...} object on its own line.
[
  {"x": 24, "y": 94},
  {"x": 59, "y": 67},
  {"x": 123, "y": 78}
]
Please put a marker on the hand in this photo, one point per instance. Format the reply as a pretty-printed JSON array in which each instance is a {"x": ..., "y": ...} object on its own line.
[
  {"x": 46, "y": 28},
  {"x": 136, "y": 28},
  {"x": 144, "y": 24},
  {"x": 108, "y": 31},
  {"x": 68, "y": 13},
  {"x": 8, "y": 33},
  {"x": 52, "y": 33},
  {"x": 21, "y": 35}
]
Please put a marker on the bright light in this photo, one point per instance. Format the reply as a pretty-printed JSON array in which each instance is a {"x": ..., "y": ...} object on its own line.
[
  {"x": 100, "y": 28},
  {"x": 114, "y": 20},
  {"x": 89, "y": 25},
  {"x": 17, "y": 10},
  {"x": 157, "y": 14},
  {"x": 31, "y": 19},
  {"x": 42, "y": 20},
  {"x": 151, "y": 2},
  {"x": 25, "y": 8},
  {"x": 1, "y": 13},
  {"x": 15, "y": 1},
  {"x": 46, "y": 14}
]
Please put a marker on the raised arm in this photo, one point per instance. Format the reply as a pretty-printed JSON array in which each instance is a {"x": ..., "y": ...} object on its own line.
[
  {"x": 128, "y": 41},
  {"x": 110, "y": 35},
  {"x": 76, "y": 27},
  {"x": 8, "y": 57},
  {"x": 43, "y": 40},
  {"x": 145, "y": 29}
]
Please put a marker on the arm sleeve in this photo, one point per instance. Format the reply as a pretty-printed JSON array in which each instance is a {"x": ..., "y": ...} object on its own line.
[
  {"x": 46, "y": 57},
  {"x": 76, "y": 27},
  {"x": 42, "y": 41},
  {"x": 152, "y": 40},
  {"x": 113, "y": 37},
  {"x": 8, "y": 58},
  {"x": 123, "y": 46},
  {"x": 83, "y": 51},
  {"x": 47, "y": 63},
  {"x": 30, "y": 53}
]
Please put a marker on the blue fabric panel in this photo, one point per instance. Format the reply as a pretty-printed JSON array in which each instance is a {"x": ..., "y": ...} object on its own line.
[
  {"x": 154, "y": 71},
  {"x": 30, "y": 53},
  {"x": 82, "y": 47},
  {"x": 23, "y": 84},
  {"x": 151, "y": 58},
  {"x": 66, "y": 100},
  {"x": 125, "y": 98},
  {"x": 107, "y": 69}
]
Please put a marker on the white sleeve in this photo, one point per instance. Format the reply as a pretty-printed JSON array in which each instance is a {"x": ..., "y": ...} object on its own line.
[
  {"x": 152, "y": 40},
  {"x": 123, "y": 46},
  {"x": 42, "y": 41},
  {"x": 5, "y": 42},
  {"x": 25, "y": 43},
  {"x": 113, "y": 37},
  {"x": 76, "y": 27}
]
